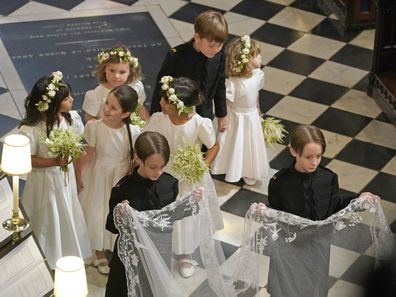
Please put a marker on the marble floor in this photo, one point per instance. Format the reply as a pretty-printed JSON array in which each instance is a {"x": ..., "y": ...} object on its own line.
[{"x": 315, "y": 74}]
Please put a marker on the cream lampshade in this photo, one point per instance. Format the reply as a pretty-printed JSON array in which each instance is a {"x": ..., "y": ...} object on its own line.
[
  {"x": 16, "y": 159},
  {"x": 70, "y": 277}
]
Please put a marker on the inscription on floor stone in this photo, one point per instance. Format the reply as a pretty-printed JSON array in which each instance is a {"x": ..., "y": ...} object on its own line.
[{"x": 71, "y": 45}]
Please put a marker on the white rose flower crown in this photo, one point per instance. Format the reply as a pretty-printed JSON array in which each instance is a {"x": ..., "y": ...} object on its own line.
[
  {"x": 244, "y": 53},
  {"x": 122, "y": 55},
  {"x": 52, "y": 87},
  {"x": 172, "y": 97}
]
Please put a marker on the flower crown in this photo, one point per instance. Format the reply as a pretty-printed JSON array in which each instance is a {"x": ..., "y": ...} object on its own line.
[
  {"x": 122, "y": 55},
  {"x": 52, "y": 87},
  {"x": 172, "y": 97},
  {"x": 244, "y": 53}
]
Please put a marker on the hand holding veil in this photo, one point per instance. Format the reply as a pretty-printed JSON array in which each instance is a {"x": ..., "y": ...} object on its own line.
[
  {"x": 288, "y": 255},
  {"x": 145, "y": 248}
]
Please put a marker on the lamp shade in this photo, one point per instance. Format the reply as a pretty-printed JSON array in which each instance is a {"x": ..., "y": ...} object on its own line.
[
  {"x": 16, "y": 158},
  {"x": 70, "y": 277}
]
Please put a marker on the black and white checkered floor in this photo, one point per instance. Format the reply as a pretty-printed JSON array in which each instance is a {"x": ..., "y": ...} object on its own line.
[{"x": 315, "y": 74}]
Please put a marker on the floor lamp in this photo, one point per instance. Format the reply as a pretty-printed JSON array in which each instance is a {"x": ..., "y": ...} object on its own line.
[{"x": 15, "y": 161}]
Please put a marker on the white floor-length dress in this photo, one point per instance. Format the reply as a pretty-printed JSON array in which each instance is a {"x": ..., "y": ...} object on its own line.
[
  {"x": 197, "y": 131},
  {"x": 242, "y": 148},
  {"x": 51, "y": 204},
  {"x": 108, "y": 166}
]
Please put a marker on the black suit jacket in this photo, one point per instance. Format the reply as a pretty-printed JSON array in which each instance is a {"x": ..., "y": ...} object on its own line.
[
  {"x": 142, "y": 194},
  {"x": 184, "y": 60},
  {"x": 310, "y": 195}
]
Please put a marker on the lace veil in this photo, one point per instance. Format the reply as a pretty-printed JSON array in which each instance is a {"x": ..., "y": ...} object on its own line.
[
  {"x": 287, "y": 255},
  {"x": 145, "y": 248}
]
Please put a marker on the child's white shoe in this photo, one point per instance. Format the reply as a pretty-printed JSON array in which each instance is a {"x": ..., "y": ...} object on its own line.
[
  {"x": 101, "y": 265},
  {"x": 249, "y": 181},
  {"x": 186, "y": 267}
]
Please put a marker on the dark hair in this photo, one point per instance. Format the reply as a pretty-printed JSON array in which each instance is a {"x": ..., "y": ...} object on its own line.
[
  {"x": 149, "y": 143},
  {"x": 211, "y": 25},
  {"x": 304, "y": 134},
  {"x": 128, "y": 100},
  {"x": 187, "y": 91},
  {"x": 100, "y": 69},
  {"x": 33, "y": 116}
]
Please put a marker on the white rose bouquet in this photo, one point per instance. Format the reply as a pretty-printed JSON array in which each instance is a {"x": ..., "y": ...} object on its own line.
[
  {"x": 65, "y": 143},
  {"x": 273, "y": 130},
  {"x": 135, "y": 118},
  {"x": 189, "y": 165}
]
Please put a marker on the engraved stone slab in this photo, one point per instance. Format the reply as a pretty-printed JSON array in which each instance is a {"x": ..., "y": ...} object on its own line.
[{"x": 38, "y": 48}]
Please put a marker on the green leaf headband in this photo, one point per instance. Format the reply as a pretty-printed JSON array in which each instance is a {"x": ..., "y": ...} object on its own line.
[
  {"x": 172, "y": 97},
  {"x": 244, "y": 53},
  {"x": 122, "y": 55},
  {"x": 52, "y": 87}
]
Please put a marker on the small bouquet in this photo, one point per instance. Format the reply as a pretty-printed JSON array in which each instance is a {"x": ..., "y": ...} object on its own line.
[
  {"x": 65, "y": 143},
  {"x": 135, "y": 118},
  {"x": 273, "y": 130},
  {"x": 189, "y": 165}
]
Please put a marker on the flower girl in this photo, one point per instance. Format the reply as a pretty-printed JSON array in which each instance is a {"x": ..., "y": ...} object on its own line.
[
  {"x": 242, "y": 153},
  {"x": 116, "y": 66},
  {"x": 109, "y": 155},
  {"x": 51, "y": 204},
  {"x": 182, "y": 126}
]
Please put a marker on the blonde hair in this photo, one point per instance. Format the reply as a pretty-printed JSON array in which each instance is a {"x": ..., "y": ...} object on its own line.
[
  {"x": 211, "y": 25},
  {"x": 233, "y": 56},
  {"x": 304, "y": 134},
  {"x": 135, "y": 72}
]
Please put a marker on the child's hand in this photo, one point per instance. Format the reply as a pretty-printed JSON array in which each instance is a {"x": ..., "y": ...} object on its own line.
[
  {"x": 62, "y": 162},
  {"x": 144, "y": 113},
  {"x": 369, "y": 197},
  {"x": 122, "y": 210},
  {"x": 80, "y": 187},
  {"x": 197, "y": 194},
  {"x": 260, "y": 208},
  {"x": 222, "y": 123}
]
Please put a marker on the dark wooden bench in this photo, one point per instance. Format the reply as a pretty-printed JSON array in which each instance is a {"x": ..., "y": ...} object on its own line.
[
  {"x": 353, "y": 14},
  {"x": 382, "y": 77}
]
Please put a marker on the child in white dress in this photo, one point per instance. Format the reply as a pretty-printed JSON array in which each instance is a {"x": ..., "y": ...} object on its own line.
[
  {"x": 242, "y": 148},
  {"x": 116, "y": 66},
  {"x": 52, "y": 205},
  {"x": 109, "y": 153},
  {"x": 181, "y": 126}
]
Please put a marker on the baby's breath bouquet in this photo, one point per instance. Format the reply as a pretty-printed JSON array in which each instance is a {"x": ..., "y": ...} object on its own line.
[
  {"x": 135, "y": 118},
  {"x": 189, "y": 165},
  {"x": 65, "y": 143},
  {"x": 273, "y": 130}
]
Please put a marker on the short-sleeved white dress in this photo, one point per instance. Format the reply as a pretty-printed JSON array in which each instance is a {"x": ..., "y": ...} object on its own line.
[
  {"x": 196, "y": 131},
  {"x": 242, "y": 148},
  {"x": 52, "y": 206},
  {"x": 108, "y": 166},
  {"x": 94, "y": 99}
]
